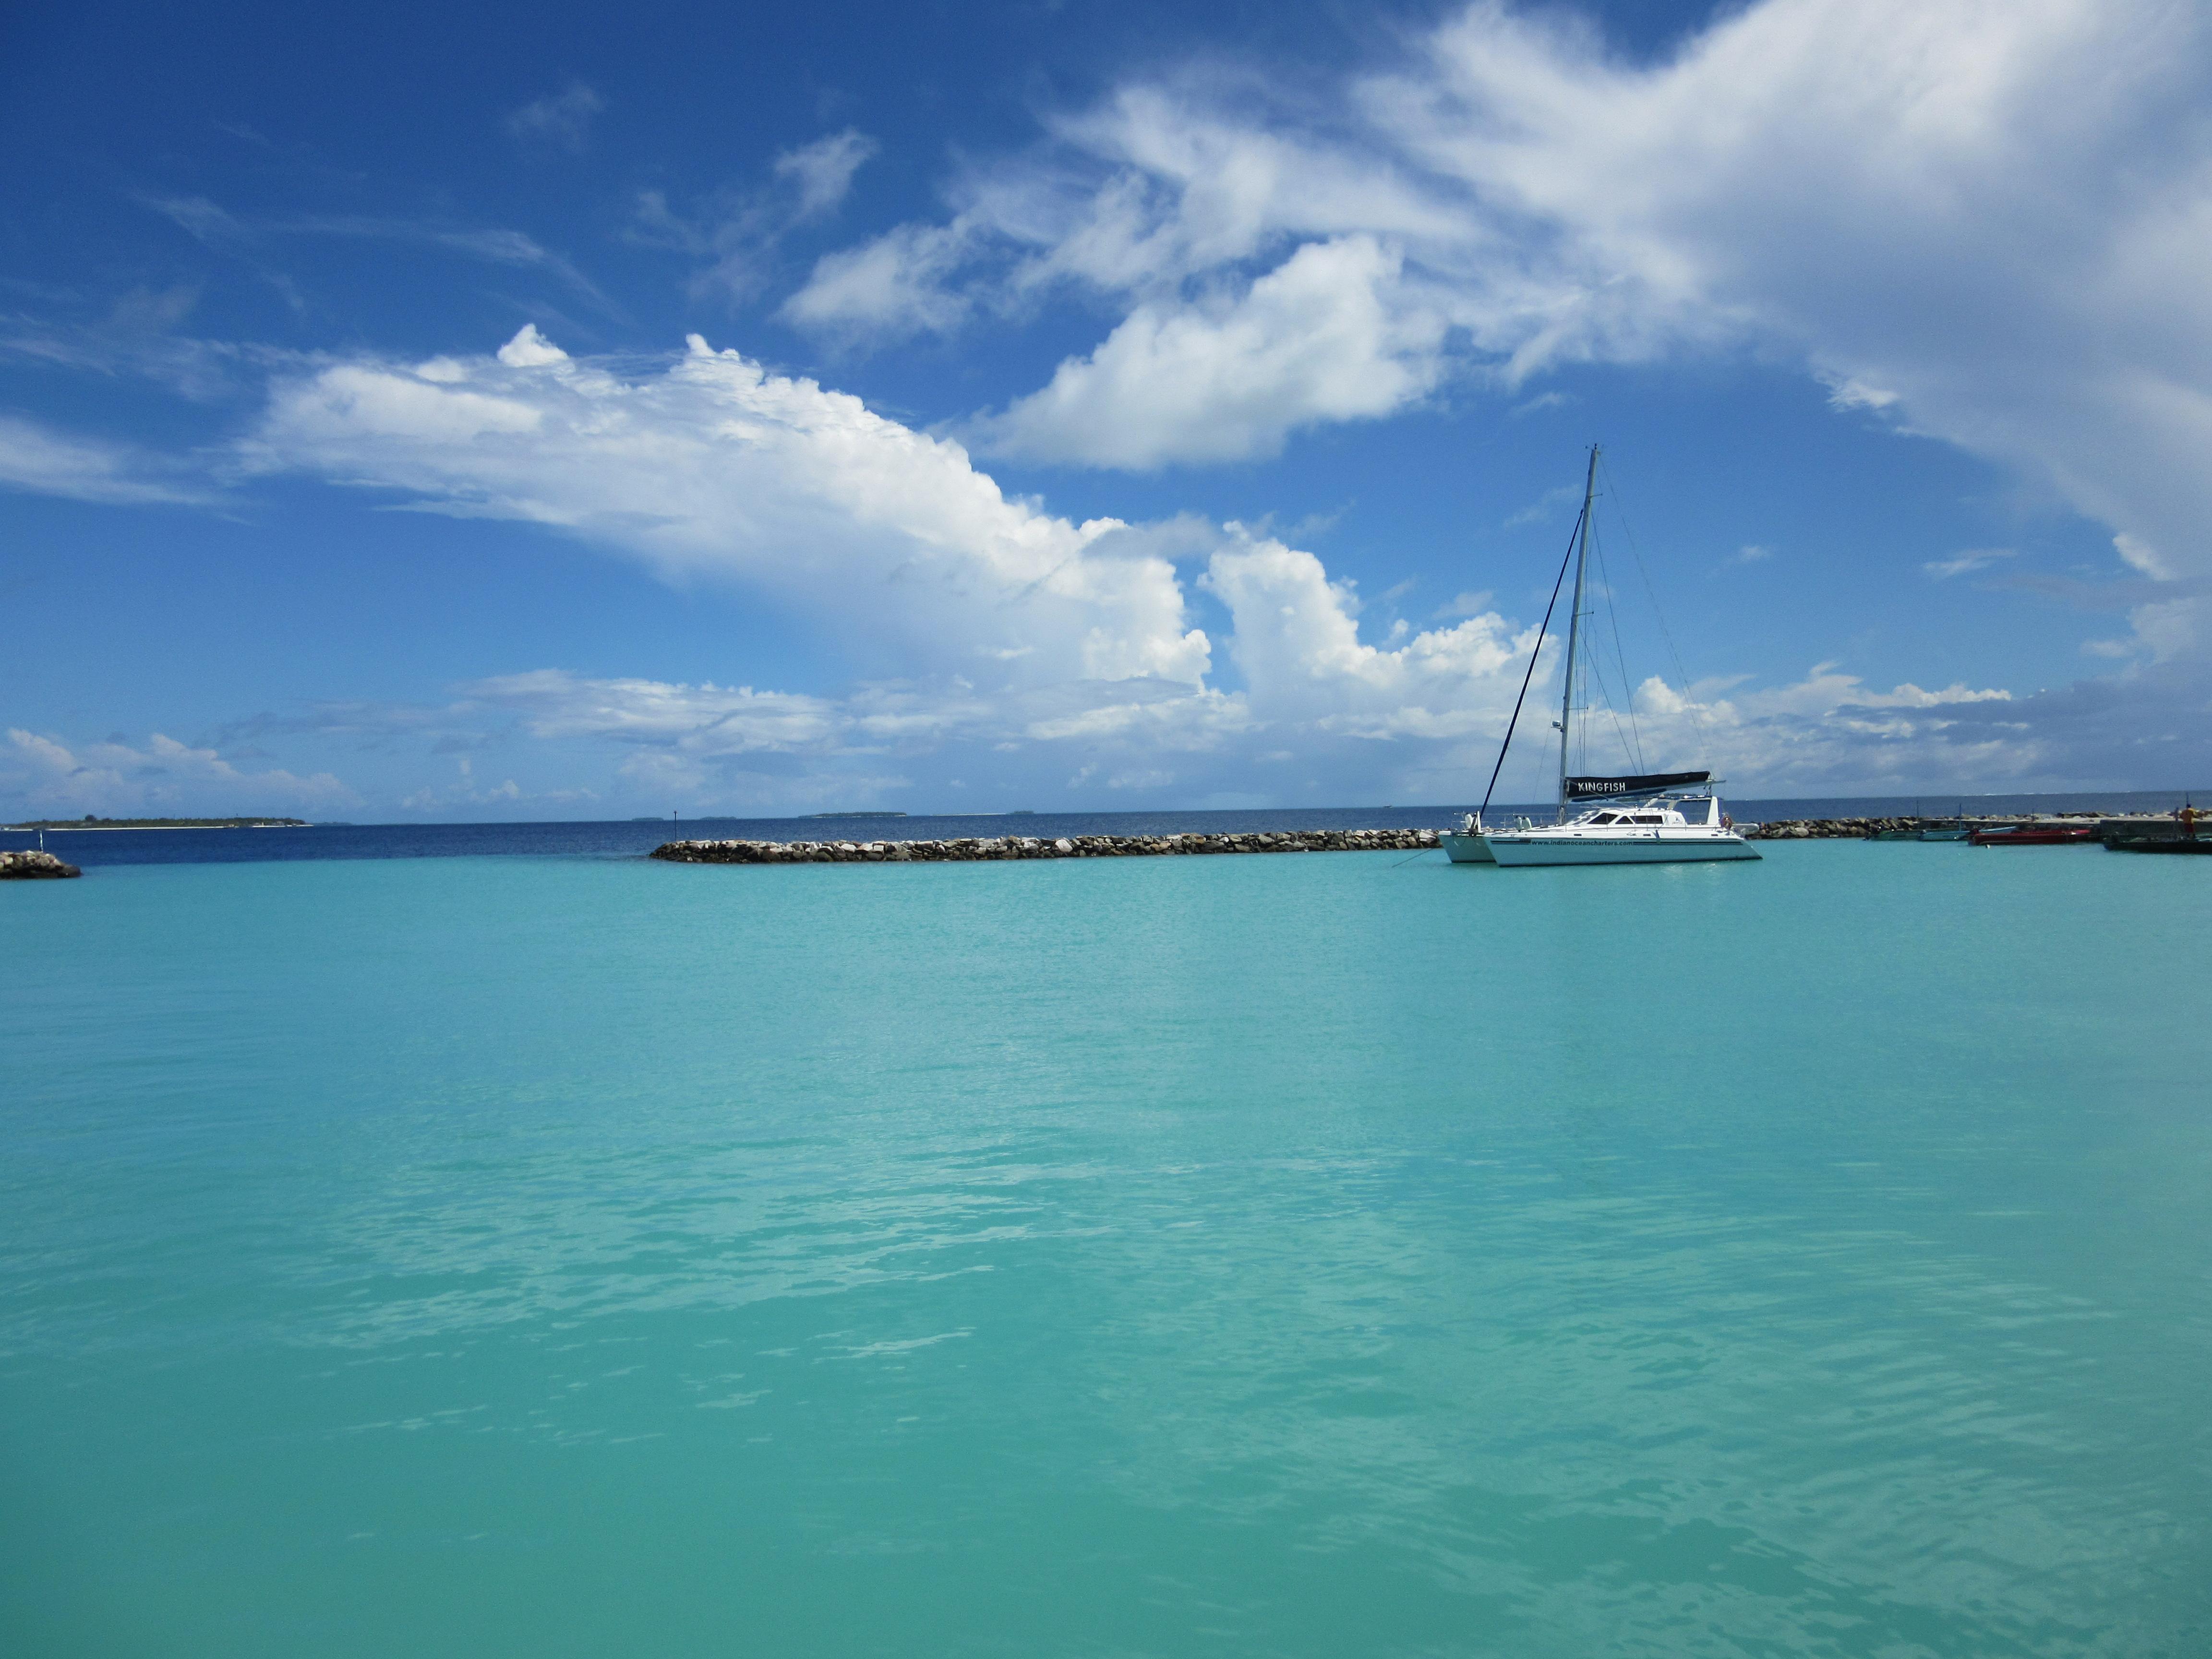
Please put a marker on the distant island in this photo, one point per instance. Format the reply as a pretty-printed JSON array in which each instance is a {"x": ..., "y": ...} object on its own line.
[
  {"x": 89, "y": 822},
  {"x": 856, "y": 815}
]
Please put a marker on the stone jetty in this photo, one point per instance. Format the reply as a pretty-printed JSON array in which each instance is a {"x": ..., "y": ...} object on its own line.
[
  {"x": 1282, "y": 841},
  {"x": 35, "y": 866},
  {"x": 1032, "y": 847},
  {"x": 1835, "y": 829},
  {"x": 1865, "y": 829}
]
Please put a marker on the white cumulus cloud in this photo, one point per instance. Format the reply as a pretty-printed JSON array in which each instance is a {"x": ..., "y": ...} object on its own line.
[
  {"x": 1005, "y": 643},
  {"x": 713, "y": 467},
  {"x": 1313, "y": 340},
  {"x": 894, "y": 286},
  {"x": 988, "y": 622},
  {"x": 42, "y": 777},
  {"x": 1984, "y": 222}
]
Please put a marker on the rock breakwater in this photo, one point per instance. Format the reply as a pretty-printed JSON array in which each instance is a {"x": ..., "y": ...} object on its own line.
[
  {"x": 35, "y": 866},
  {"x": 1834, "y": 828},
  {"x": 972, "y": 849},
  {"x": 1866, "y": 829}
]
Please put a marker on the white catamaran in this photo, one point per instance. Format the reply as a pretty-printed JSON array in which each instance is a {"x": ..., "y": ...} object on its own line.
[{"x": 1638, "y": 820}]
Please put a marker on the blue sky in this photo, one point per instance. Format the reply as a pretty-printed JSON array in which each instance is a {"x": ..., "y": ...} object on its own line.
[{"x": 589, "y": 411}]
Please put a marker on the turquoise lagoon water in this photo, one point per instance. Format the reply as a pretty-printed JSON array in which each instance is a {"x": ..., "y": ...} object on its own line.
[{"x": 1292, "y": 1255}]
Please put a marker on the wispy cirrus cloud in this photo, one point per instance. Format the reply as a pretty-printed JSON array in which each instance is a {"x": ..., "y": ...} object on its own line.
[
  {"x": 216, "y": 227},
  {"x": 1544, "y": 506},
  {"x": 39, "y": 460},
  {"x": 563, "y": 119},
  {"x": 493, "y": 245},
  {"x": 136, "y": 338},
  {"x": 736, "y": 233},
  {"x": 1974, "y": 558}
]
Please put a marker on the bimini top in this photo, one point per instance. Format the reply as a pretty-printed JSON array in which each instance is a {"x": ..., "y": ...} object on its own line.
[{"x": 1651, "y": 783}]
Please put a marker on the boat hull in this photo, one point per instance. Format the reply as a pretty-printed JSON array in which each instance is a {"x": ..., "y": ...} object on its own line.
[
  {"x": 1537, "y": 847},
  {"x": 1463, "y": 849},
  {"x": 2068, "y": 837}
]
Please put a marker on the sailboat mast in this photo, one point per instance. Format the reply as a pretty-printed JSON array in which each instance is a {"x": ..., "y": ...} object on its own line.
[{"x": 1574, "y": 631}]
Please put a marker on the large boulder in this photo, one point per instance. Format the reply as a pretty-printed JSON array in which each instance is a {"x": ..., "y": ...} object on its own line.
[{"x": 35, "y": 866}]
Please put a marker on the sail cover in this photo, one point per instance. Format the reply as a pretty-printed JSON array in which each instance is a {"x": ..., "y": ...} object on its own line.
[{"x": 1651, "y": 783}]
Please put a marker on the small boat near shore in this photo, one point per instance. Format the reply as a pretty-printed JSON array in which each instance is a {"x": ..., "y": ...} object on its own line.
[
  {"x": 1643, "y": 819},
  {"x": 2155, "y": 837},
  {"x": 1922, "y": 832},
  {"x": 2035, "y": 834}
]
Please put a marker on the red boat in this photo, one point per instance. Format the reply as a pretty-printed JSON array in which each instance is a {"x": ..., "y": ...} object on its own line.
[{"x": 2035, "y": 834}]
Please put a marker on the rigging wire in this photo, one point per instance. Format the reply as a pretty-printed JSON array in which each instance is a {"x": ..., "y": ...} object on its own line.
[
  {"x": 1542, "y": 627},
  {"x": 1697, "y": 709},
  {"x": 1631, "y": 741},
  {"x": 1591, "y": 691}
]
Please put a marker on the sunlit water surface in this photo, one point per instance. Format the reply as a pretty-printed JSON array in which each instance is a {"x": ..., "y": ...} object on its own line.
[{"x": 1314, "y": 1255}]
